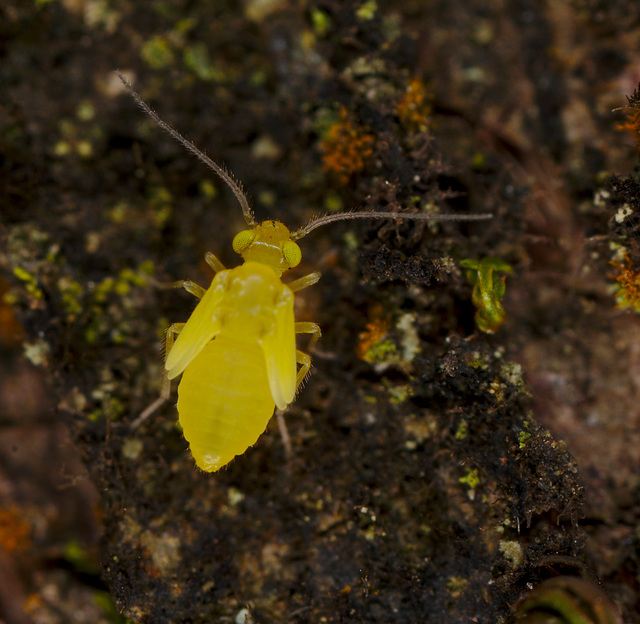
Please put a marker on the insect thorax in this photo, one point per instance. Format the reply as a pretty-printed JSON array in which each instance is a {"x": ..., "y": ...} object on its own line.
[{"x": 253, "y": 293}]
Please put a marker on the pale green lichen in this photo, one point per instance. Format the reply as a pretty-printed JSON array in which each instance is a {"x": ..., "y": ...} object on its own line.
[
  {"x": 511, "y": 372},
  {"x": 512, "y": 551},
  {"x": 409, "y": 338},
  {"x": 420, "y": 429},
  {"x": 131, "y": 448},
  {"x": 235, "y": 496},
  {"x": 164, "y": 549},
  {"x": 37, "y": 352},
  {"x": 622, "y": 213},
  {"x": 398, "y": 394}
]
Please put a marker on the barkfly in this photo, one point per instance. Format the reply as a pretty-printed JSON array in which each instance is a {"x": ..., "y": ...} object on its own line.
[{"x": 237, "y": 351}]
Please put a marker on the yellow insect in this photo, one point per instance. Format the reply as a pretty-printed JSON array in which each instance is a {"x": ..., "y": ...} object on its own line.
[{"x": 237, "y": 351}]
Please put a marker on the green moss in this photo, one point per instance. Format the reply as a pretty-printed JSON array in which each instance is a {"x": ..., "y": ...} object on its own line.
[
  {"x": 456, "y": 585},
  {"x": 207, "y": 188},
  {"x": 61, "y": 148},
  {"x": 399, "y": 394},
  {"x": 72, "y": 296},
  {"x": 105, "y": 602},
  {"x": 381, "y": 352},
  {"x": 258, "y": 78},
  {"x": 113, "y": 305},
  {"x": 462, "y": 431},
  {"x": 488, "y": 290},
  {"x": 470, "y": 478},
  {"x": 112, "y": 408},
  {"x": 156, "y": 52},
  {"x": 146, "y": 268},
  {"x": 160, "y": 205},
  {"x": 197, "y": 60},
  {"x": 367, "y": 10},
  {"x": 321, "y": 21},
  {"x": 84, "y": 148},
  {"x": 105, "y": 287},
  {"x": 333, "y": 202},
  {"x": 523, "y": 436},
  {"x": 122, "y": 287},
  {"x": 85, "y": 111},
  {"x": 30, "y": 282},
  {"x": 119, "y": 213},
  {"x": 478, "y": 161},
  {"x": 479, "y": 361}
]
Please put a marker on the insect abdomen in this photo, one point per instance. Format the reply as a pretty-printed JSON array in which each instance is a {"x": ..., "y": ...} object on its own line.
[{"x": 224, "y": 401}]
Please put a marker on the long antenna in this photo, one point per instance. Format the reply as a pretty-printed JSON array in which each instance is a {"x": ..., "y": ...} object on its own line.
[
  {"x": 317, "y": 222},
  {"x": 238, "y": 191},
  {"x": 228, "y": 178}
]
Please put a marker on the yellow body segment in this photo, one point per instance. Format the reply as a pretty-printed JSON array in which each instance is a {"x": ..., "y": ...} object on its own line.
[
  {"x": 247, "y": 365},
  {"x": 219, "y": 418}
]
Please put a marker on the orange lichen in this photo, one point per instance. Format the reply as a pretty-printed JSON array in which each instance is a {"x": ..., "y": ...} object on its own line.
[
  {"x": 632, "y": 113},
  {"x": 632, "y": 123},
  {"x": 628, "y": 281},
  {"x": 415, "y": 107},
  {"x": 15, "y": 531},
  {"x": 374, "y": 344},
  {"x": 346, "y": 147}
]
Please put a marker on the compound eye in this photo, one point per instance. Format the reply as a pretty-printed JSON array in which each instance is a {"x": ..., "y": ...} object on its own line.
[
  {"x": 242, "y": 240},
  {"x": 291, "y": 253}
]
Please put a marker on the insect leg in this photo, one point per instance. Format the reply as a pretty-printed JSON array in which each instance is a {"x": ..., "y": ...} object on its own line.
[
  {"x": 165, "y": 392},
  {"x": 305, "y": 364},
  {"x": 303, "y": 282},
  {"x": 213, "y": 262},
  {"x": 304, "y": 327},
  {"x": 190, "y": 287},
  {"x": 170, "y": 337},
  {"x": 284, "y": 433},
  {"x": 195, "y": 289}
]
